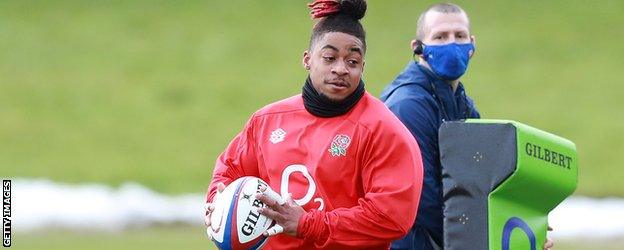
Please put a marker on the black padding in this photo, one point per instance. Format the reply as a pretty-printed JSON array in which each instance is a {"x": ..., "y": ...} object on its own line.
[{"x": 476, "y": 158}]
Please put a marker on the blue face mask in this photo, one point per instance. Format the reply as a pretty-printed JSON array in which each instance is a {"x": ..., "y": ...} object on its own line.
[{"x": 448, "y": 61}]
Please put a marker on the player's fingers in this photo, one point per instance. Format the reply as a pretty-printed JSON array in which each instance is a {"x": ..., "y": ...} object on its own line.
[
  {"x": 207, "y": 220},
  {"x": 208, "y": 233},
  {"x": 274, "y": 196},
  {"x": 289, "y": 200},
  {"x": 274, "y": 215},
  {"x": 208, "y": 207},
  {"x": 220, "y": 187},
  {"x": 271, "y": 203},
  {"x": 277, "y": 229}
]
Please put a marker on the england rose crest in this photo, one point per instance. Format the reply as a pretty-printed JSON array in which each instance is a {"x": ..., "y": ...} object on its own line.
[{"x": 339, "y": 145}]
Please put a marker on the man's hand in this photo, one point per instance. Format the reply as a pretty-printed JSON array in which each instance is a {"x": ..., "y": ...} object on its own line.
[
  {"x": 549, "y": 242},
  {"x": 286, "y": 215},
  {"x": 209, "y": 207}
]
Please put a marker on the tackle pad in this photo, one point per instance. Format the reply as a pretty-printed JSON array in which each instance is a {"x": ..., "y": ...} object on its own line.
[{"x": 500, "y": 180}]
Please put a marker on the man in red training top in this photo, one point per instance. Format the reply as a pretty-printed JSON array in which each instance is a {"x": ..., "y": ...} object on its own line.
[{"x": 351, "y": 172}]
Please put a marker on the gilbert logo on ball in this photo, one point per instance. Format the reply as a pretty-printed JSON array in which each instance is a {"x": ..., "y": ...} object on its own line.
[{"x": 235, "y": 221}]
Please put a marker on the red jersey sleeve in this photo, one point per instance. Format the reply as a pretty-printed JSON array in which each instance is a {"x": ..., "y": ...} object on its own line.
[
  {"x": 239, "y": 159},
  {"x": 391, "y": 175}
]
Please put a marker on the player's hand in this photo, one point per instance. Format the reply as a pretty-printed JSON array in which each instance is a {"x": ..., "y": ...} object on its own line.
[
  {"x": 549, "y": 241},
  {"x": 286, "y": 214},
  {"x": 209, "y": 207}
]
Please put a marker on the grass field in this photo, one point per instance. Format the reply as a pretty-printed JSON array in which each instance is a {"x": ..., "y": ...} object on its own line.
[
  {"x": 162, "y": 238},
  {"x": 152, "y": 91}
]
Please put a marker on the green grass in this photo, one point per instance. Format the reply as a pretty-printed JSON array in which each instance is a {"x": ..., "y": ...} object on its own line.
[
  {"x": 152, "y": 91},
  {"x": 151, "y": 238},
  {"x": 191, "y": 238}
]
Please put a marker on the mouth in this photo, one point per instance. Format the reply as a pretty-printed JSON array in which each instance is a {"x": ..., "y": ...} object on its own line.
[{"x": 338, "y": 84}]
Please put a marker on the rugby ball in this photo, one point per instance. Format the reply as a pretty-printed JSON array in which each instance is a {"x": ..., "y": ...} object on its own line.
[{"x": 235, "y": 223}]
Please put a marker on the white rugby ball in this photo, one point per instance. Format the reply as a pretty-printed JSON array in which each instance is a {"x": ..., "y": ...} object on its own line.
[{"x": 235, "y": 223}]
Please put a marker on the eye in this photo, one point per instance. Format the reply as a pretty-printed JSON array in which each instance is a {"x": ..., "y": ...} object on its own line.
[
  {"x": 353, "y": 62},
  {"x": 438, "y": 37},
  {"x": 329, "y": 58}
]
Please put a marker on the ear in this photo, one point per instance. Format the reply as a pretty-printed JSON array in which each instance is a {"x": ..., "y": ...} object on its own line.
[
  {"x": 306, "y": 60},
  {"x": 363, "y": 64},
  {"x": 473, "y": 40},
  {"x": 413, "y": 44}
]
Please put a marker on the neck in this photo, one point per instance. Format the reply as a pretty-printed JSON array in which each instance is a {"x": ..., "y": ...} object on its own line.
[
  {"x": 320, "y": 105},
  {"x": 453, "y": 83}
]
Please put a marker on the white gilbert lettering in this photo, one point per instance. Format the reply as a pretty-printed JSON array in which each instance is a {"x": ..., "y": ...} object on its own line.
[{"x": 311, "y": 188}]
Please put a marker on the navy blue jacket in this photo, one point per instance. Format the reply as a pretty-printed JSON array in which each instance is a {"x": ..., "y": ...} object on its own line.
[{"x": 422, "y": 102}]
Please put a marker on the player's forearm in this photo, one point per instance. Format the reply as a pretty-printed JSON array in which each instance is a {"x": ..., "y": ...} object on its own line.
[{"x": 362, "y": 226}]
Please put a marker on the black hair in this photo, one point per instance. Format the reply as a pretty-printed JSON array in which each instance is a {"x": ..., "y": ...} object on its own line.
[{"x": 346, "y": 20}]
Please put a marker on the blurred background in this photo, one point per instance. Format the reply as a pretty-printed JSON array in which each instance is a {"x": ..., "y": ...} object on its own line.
[{"x": 149, "y": 92}]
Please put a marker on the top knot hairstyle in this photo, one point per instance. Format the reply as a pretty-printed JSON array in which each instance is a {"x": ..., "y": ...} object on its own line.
[{"x": 338, "y": 16}]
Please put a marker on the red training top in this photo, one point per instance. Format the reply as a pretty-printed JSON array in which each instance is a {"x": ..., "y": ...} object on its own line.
[{"x": 358, "y": 175}]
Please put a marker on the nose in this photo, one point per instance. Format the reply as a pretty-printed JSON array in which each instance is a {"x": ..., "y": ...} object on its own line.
[{"x": 340, "y": 68}]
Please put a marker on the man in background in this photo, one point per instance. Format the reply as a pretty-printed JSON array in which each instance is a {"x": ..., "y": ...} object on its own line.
[{"x": 427, "y": 93}]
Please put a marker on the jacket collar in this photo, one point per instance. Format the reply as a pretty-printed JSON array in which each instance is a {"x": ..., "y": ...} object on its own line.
[
  {"x": 454, "y": 103},
  {"x": 438, "y": 83}
]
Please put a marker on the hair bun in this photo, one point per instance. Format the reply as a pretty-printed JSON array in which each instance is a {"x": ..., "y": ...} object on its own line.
[{"x": 353, "y": 8}]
